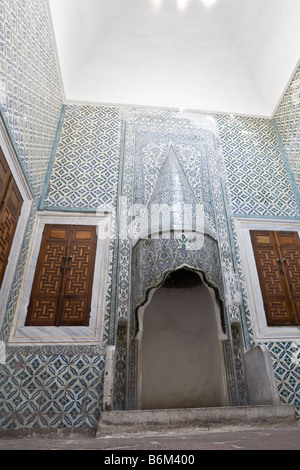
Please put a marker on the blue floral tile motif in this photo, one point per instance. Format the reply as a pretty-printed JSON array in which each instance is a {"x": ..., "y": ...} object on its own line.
[
  {"x": 286, "y": 363},
  {"x": 50, "y": 391}
]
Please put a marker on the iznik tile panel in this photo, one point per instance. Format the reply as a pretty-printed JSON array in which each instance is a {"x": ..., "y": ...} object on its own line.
[
  {"x": 30, "y": 94},
  {"x": 258, "y": 182},
  {"x": 86, "y": 166},
  {"x": 286, "y": 364},
  {"x": 287, "y": 120},
  {"x": 44, "y": 389}
]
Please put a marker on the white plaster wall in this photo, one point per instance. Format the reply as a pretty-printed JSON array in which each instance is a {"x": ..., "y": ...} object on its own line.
[
  {"x": 181, "y": 355},
  {"x": 222, "y": 59}
]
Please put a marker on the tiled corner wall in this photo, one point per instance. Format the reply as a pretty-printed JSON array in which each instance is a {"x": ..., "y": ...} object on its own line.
[
  {"x": 286, "y": 354},
  {"x": 30, "y": 93},
  {"x": 30, "y": 104},
  {"x": 262, "y": 161},
  {"x": 37, "y": 387},
  {"x": 257, "y": 178},
  {"x": 260, "y": 187},
  {"x": 287, "y": 120}
]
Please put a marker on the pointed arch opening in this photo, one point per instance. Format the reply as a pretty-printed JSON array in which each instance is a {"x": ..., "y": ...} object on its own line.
[{"x": 180, "y": 345}]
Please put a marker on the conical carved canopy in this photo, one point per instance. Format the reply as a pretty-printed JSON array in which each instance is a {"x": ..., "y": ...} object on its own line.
[
  {"x": 173, "y": 205},
  {"x": 172, "y": 186}
]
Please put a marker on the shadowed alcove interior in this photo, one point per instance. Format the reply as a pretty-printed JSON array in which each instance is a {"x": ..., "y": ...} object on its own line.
[{"x": 181, "y": 359}]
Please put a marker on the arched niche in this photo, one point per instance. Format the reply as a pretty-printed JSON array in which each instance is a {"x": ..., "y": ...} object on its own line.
[{"x": 180, "y": 350}]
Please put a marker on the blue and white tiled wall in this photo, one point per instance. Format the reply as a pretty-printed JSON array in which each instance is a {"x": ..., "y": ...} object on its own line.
[
  {"x": 42, "y": 389},
  {"x": 39, "y": 387},
  {"x": 285, "y": 357},
  {"x": 85, "y": 170},
  {"x": 287, "y": 120},
  {"x": 30, "y": 94},
  {"x": 257, "y": 178},
  {"x": 45, "y": 386}
]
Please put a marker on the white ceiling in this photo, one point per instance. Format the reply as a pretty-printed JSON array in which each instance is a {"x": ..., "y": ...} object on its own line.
[{"x": 235, "y": 56}]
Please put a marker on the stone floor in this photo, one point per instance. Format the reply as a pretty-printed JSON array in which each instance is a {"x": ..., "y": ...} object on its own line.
[{"x": 190, "y": 440}]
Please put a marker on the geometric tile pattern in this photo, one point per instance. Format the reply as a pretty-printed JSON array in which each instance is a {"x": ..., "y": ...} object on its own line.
[
  {"x": 257, "y": 179},
  {"x": 286, "y": 364},
  {"x": 30, "y": 94},
  {"x": 86, "y": 165},
  {"x": 287, "y": 119},
  {"x": 43, "y": 390}
]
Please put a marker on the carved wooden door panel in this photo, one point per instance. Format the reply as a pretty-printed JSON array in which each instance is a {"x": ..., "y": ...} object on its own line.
[
  {"x": 78, "y": 280},
  {"x": 47, "y": 284},
  {"x": 290, "y": 255},
  {"x": 11, "y": 203},
  {"x": 277, "y": 261},
  {"x": 62, "y": 287}
]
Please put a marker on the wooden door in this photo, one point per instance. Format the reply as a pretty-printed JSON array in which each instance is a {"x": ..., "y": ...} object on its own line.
[
  {"x": 11, "y": 203},
  {"x": 278, "y": 264},
  {"x": 289, "y": 244},
  {"x": 62, "y": 287},
  {"x": 78, "y": 279}
]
